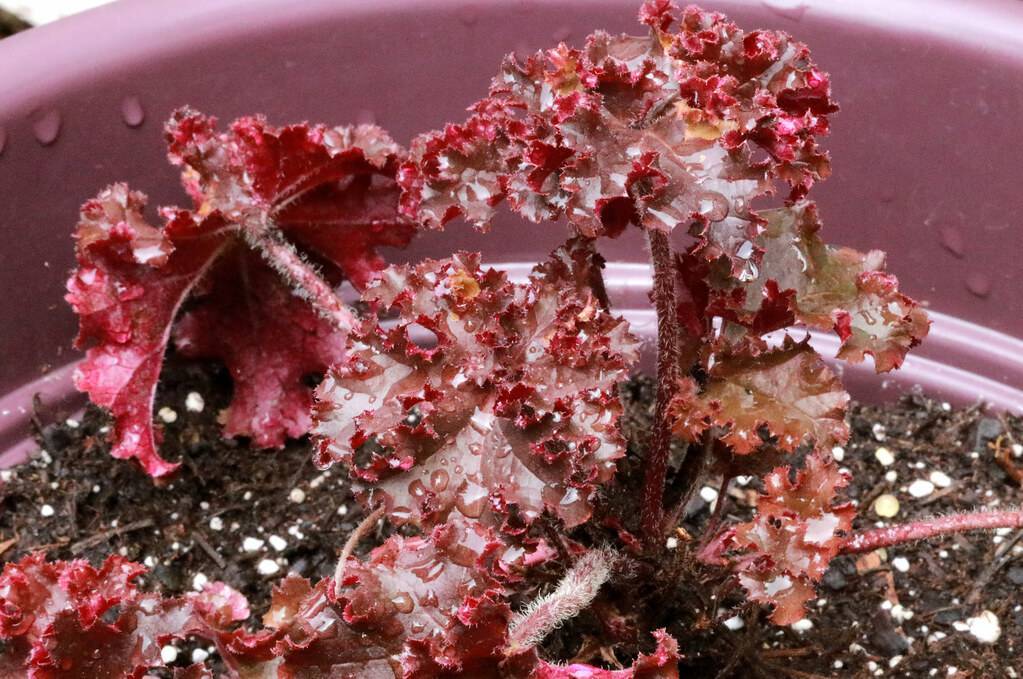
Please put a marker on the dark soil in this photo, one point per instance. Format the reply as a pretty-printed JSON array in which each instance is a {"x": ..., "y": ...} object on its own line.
[
  {"x": 11, "y": 23},
  {"x": 196, "y": 526}
]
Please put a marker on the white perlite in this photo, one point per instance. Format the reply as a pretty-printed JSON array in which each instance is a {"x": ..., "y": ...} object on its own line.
[
  {"x": 216, "y": 523},
  {"x": 940, "y": 479},
  {"x": 984, "y": 627},
  {"x": 838, "y": 452},
  {"x": 46, "y": 510},
  {"x": 168, "y": 415},
  {"x": 168, "y": 654},
  {"x": 252, "y": 544},
  {"x": 884, "y": 456},
  {"x": 199, "y": 655},
  {"x": 194, "y": 402},
  {"x": 708, "y": 494},
  {"x": 297, "y": 495},
  {"x": 278, "y": 543},
  {"x": 199, "y": 581},
  {"x": 901, "y": 564},
  {"x": 804, "y": 625},
  {"x": 921, "y": 488},
  {"x": 734, "y": 623},
  {"x": 267, "y": 567}
]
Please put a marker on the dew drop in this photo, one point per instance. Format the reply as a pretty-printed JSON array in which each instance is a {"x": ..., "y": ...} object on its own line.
[
  {"x": 417, "y": 490},
  {"x": 979, "y": 284},
  {"x": 469, "y": 15},
  {"x": 794, "y": 10},
  {"x": 472, "y": 500},
  {"x": 429, "y": 599},
  {"x": 132, "y": 112},
  {"x": 439, "y": 480},
  {"x": 46, "y": 125},
  {"x": 953, "y": 241},
  {"x": 403, "y": 602},
  {"x": 3, "y": 139}
]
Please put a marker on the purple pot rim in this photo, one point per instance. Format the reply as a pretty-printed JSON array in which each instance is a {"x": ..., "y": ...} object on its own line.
[{"x": 127, "y": 33}]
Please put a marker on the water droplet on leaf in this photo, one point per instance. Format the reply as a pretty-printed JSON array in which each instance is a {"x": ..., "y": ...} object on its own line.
[{"x": 953, "y": 241}]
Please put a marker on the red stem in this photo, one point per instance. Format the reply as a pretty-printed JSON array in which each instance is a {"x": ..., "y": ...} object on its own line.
[
  {"x": 663, "y": 294},
  {"x": 304, "y": 280},
  {"x": 921, "y": 530}
]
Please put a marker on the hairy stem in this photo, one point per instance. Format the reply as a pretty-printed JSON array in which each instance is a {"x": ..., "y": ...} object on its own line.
[
  {"x": 304, "y": 280},
  {"x": 574, "y": 593},
  {"x": 663, "y": 294},
  {"x": 921, "y": 530},
  {"x": 364, "y": 527}
]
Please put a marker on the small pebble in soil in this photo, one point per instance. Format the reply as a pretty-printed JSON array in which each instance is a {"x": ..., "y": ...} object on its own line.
[
  {"x": 940, "y": 479},
  {"x": 708, "y": 495},
  {"x": 884, "y": 456},
  {"x": 804, "y": 625},
  {"x": 194, "y": 402},
  {"x": 268, "y": 567},
  {"x": 984, "y": 627},
  {"x": 921, "y": 488},
  {"x": 886, "y": 506},
  {"x": 891, "y": 476},
  {"x": 734, "y": 623},
  {"x": 879, "y": 431},
  {"x": 252, "y": 544}
]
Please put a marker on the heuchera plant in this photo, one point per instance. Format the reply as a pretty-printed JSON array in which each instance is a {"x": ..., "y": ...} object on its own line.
[{"x": 477, "y": 414}]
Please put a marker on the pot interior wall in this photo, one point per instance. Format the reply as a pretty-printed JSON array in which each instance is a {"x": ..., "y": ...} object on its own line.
[{"x": 925, "y": 149}]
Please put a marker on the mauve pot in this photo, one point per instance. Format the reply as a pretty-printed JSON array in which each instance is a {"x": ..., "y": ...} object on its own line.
[{"x": 926, "y": 149}]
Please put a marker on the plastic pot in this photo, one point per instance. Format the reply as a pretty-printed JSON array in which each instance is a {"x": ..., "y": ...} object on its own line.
[{"x": 925, "y": 149}]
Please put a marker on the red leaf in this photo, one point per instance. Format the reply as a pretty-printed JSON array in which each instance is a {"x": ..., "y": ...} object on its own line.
[
  {"x": 331, "y": 191},
  {"x": 834, "y": 288},
  {"x": 788, "y": 392},
  {"x": 510, "y": 401},
  {"x": 659, "y": 130},
  {"x": 797, "y": 530},
  {"x": 57, "y": 616}
]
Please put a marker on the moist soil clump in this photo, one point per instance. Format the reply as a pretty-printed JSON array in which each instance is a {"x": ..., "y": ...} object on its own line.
[{"x": 247, "y": 517}]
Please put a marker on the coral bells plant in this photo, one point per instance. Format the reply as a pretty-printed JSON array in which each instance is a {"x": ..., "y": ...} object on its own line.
[{"x": 477, "y": 417}]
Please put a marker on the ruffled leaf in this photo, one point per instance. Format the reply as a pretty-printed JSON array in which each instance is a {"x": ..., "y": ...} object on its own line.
[
  {"x": 484, "y": 397},
  {"x": 788, "y": 394},
  {"x": 72, "y": 621},
  {"x": 837, "y": 288},
  {"x": 662, "y": 130},
  {"x": 798, "y": 528},
  {"x": 233, "y": 264}
]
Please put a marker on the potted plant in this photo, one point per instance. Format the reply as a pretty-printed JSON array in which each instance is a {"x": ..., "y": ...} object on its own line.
[{"x": 515, "y": 479}]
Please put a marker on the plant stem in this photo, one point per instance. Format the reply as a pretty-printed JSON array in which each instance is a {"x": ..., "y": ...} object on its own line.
[
  {"x": 921, "y": 530},
  {"x": 304, "y": 280},
  {"x": 574, "y": 593},
  {"x": 663, "y": 294},
  {"x": 358, "y": 533}
]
